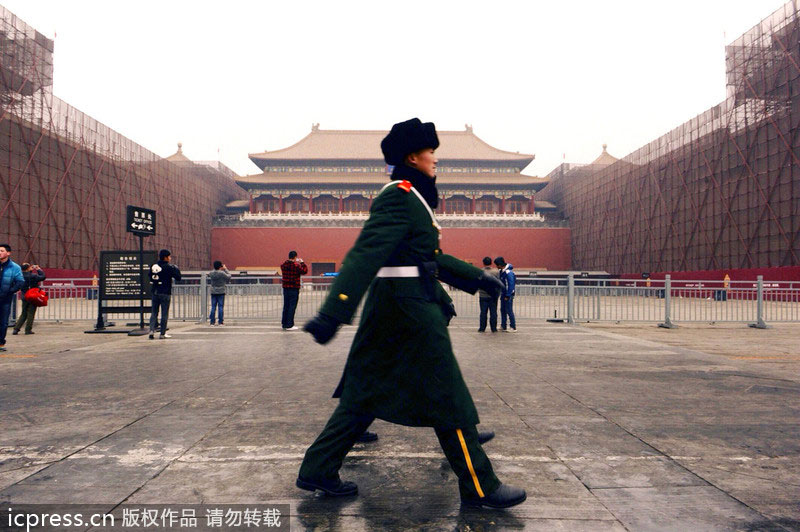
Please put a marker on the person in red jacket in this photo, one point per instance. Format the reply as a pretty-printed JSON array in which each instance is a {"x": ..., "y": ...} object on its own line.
[{"x": 291, "y": 270}]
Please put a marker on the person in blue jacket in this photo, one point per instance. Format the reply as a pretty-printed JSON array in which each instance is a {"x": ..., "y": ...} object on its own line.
[
  {"x": 11, "y": 281},
  {"x": 509, "y": 280}
]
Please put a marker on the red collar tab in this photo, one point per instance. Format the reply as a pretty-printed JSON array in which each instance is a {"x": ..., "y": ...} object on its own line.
[{"x": 404, "y": 185}]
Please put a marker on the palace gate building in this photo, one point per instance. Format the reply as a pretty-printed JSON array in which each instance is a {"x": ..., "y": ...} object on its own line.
[
  {"x": 718, "y": 194},
  {"x": 314, "y": 197}
]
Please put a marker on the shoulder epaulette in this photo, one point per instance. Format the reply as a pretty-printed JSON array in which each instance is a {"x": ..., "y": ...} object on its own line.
[{"x": 404, "y": 185}]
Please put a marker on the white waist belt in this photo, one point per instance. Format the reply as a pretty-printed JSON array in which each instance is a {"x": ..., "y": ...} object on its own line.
[{"x": 398, "y": 271}]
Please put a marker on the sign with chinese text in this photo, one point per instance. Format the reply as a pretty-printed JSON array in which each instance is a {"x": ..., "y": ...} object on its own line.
[
  {"x": 141, "y": 221},
  {"x": 120, "y": 274}
]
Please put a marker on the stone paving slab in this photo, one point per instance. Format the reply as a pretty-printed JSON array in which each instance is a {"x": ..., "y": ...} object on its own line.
[
  {"x": 607, "y": 427},
  {"x": 691, "y": 507}
]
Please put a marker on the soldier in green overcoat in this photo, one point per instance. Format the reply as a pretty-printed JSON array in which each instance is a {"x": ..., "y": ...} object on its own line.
[{"x": 401, "y": 366}]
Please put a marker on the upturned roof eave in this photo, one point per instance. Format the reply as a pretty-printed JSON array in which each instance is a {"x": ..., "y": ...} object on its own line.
[
  {"x": 282, "y": 153},
  {"x": 519, "y": 164},
  {"x": 521, "y": 159},
  {"x": 258, "y": 182}
]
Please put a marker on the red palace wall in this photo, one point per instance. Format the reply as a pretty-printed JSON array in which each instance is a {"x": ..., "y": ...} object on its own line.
[{"x": 267, "y": 247}]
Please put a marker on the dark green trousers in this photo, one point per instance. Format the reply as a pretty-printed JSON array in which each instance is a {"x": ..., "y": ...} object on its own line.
[
  {"x": 470, "y": 464},
  {"x": 26, "y": 317}
]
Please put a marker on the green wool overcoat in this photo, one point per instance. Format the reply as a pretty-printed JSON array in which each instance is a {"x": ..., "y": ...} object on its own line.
[{"x": 401, "y": 366}]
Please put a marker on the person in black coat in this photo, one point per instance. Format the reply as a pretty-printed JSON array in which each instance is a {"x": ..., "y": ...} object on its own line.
[
  {"x": 33, "y": 275},
  {"x": 162, "y": 273}
]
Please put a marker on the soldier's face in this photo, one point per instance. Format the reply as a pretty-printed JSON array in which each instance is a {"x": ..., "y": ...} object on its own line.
[{"x": 424, "y": 161}]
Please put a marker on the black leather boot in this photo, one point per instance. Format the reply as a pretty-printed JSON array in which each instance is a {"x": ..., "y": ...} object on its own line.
[
  {"x": 331, "y": 488},
  {"x": 485, "y": 436},
  {"x": 503, "y": 497},
  {"x": 367, "y": 437}
]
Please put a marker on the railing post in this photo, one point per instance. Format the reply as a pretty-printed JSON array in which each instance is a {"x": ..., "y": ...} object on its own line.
[
  {"x": 203, "y": 297},
  {"x": 760, "y": 324},
  {"x": 597, "y": 303},
  {"x": 571, "y": 298},
  {"x": 667, "y": 304}
]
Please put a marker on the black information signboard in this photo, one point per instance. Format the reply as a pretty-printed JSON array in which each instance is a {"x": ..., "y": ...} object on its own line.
[
  {"x": 120, "y": 275},
  {"x": 141, "y": 221}
]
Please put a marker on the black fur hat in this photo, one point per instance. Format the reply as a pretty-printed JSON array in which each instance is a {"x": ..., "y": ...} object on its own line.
[{"x": 408, "y": 137}]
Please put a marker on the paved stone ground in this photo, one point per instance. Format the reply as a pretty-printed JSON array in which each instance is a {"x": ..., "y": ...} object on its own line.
[{"x": 608, "y": 427}]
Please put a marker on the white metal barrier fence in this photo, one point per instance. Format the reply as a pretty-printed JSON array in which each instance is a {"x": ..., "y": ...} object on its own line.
[{"x": 571, "y": 300}]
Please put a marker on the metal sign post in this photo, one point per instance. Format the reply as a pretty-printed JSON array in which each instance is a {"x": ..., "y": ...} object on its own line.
[
  {"x": 141, "y": 222},
  {"x": 141, "y": 283}
]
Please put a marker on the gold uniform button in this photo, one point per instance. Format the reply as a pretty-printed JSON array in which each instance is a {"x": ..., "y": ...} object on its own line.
[{"x": 343, "y": 297}]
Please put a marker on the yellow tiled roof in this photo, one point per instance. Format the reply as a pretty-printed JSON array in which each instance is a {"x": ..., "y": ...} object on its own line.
[
  {"x": 365, "y": 145},
  {"x": 178, "y": 156},
  {"x": 605, "y": 158}
]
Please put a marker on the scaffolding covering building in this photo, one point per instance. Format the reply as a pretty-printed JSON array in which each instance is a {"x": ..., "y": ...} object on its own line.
[
  {"x": 721, "y": 191},
  {"x": 66, "y": 179}
]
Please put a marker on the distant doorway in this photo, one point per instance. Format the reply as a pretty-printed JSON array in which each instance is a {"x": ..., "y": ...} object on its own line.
[{"x": 320, "y": 268}]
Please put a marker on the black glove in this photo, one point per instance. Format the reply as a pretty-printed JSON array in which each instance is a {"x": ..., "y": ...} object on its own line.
[
  {"x": 467, "y": 285},
  {"x": 322, "y": 327},
  {"x": 449, "y": 311},
  {"x": 491, "y": 284}
]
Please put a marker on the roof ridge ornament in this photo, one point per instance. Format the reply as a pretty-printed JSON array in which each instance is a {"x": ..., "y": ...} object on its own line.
[
  {"x": 468, "y": 128},
  {"x": 315, "y": 127},
  {"x": 180, "y": 147}
]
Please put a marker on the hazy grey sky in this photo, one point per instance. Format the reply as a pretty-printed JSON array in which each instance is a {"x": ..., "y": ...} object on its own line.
[{"x": 543, "y": 77}]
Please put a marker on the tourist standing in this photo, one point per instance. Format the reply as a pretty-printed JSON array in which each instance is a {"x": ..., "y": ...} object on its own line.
[
  {"x": 487, "y": 301},
  {"x": 291, "y": 271},
  {"x": 162, "y": 273},
  {"x": 33, "y": 275},
  {"x": 509, "y": 280},
  {"x": 219, "y": 279},
  {"x": 11, "y": 280}
]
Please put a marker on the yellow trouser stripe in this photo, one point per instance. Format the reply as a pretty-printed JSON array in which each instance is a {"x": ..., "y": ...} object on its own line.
[{"x": 469, "y": 463}]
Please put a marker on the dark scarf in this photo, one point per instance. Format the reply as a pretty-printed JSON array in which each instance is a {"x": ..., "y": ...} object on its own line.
[{"x": 424, "y": 184}]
